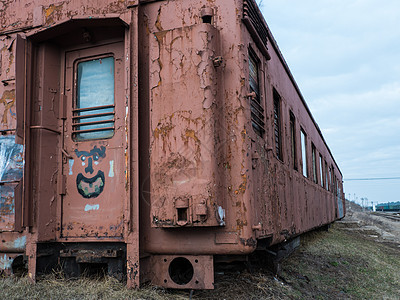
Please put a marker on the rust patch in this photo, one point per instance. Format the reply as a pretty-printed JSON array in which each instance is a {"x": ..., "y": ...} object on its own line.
[
  {"x": 243, "y": 134},
  {"x": 242, "y": 186},
  {"x": 8, "y": 99},
  {"x": 158, "y": 22},
  {"x": 240, "y": 224},
  {"x": 53, "y": 13},
  {"x": 6, "y": 205},
  {"x": 159, "y": 222},
  {"x": 163, "y": 130},
  {"x": 10, "y": 62},
  {"x": 7, "y": 208},
  {"x": 178, "y": 161},
  {"x": 189, "y": 133},
  {"x": 250, "y": 242},
  {"x": 132, "y": 270}
]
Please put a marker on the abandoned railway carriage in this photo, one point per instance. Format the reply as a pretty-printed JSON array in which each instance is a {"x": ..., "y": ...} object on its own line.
[{"x": 153, "y": 138}]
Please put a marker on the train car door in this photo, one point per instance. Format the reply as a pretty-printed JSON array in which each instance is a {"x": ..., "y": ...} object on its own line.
[{"x": 94, "y": 142}]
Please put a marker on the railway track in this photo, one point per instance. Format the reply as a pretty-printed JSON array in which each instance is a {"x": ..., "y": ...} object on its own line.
[{"x": 388, "y": 215}]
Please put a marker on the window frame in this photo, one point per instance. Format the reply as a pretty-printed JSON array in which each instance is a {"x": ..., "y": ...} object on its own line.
[
  {"x": 326, "y": 176},
  {"x": 77, "y": 110},
  {"x": 293, "y": 143},
  {"x": 257, "y": 110},
  {"x": 314, "y": 162},
  {"x": 321, "y": 169},
  {"x": 303, "y": 138},
  {"x": 277, "y": 124}
]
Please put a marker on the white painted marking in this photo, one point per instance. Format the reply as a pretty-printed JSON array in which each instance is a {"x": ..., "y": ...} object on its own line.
[
  {"x": 111, "y": 173},
  {"x": 92, "y": 207},
  {"x": 5, "y": 262},
  {"x": 20, "y": 243},
  {"x": 221, "y": 213},
  {"x": 71, "y": 163}
]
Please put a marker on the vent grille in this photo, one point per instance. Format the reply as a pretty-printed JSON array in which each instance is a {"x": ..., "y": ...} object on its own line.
[
  {"x": 93, "y": 119},
  {"x": 257, "y": 111},
  {"x": 250, "y": 12},
  {"x": 277, "y": 125}
]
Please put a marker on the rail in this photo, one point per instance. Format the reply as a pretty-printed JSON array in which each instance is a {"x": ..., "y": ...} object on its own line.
[{"x": 391, "y": 216}]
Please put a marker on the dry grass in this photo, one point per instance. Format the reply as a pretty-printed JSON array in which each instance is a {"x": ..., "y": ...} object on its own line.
[
  {"x": 54, "y": 287},
  {"x": 344, "y": 264},
  {"x": 338, "y": 264}
]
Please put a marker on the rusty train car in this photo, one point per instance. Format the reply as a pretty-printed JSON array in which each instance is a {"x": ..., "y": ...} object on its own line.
[{"x": 152, "y": 138}]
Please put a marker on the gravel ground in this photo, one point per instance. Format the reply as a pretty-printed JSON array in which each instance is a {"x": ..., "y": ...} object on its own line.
[{"x": 378, "y": 227}]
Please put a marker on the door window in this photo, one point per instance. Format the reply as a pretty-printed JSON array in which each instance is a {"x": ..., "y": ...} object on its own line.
[{"x": 94, "y": 107}]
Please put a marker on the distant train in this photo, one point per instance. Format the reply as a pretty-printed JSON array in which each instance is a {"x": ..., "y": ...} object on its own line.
[
  {"x": 152, "y": 139},
  {"x": 389, "y": 206}
]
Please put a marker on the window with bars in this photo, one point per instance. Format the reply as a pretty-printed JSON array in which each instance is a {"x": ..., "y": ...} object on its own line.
[
  {"x": 314, "y": 162},
  {"x": 94, "y": 111},
  {"x": 257, "y": 111},
  {"x": 293, "y": 139},
  {"x": 277, "y": 125}
]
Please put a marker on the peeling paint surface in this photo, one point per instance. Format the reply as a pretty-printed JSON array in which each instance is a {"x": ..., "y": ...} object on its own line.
[
  {"x": 7, "y": 108},
  {"x": 183, "y": 148},
  {"x": 13, "y": 243},
  {"x": 11, "y": 161},
  {"x": 11, "y": 168}
]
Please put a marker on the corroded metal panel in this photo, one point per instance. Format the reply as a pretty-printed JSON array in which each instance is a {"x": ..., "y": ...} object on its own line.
[
  {"x": 183, "y": 272},
  {"x": 13, "y": 242},
  {"x": 201, "y": 146},
  {"x": 183, "y": 150}
]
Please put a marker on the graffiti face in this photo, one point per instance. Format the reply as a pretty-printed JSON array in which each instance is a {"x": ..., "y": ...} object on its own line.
[{"x": 91, "y": 187}]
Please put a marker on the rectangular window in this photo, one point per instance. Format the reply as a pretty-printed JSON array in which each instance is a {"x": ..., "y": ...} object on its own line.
[
  {"x": 293, "y": 139},
  {"x": 314, "y": 162},
  {"x": 94, "y": 106},
  {"x": 326, "y": 176},
  {"x": 257, "y": 111},
  {"x": 321, "y": 174},
  {"x": 304, "y": 152},
  {"x": 277, "y": 125}
]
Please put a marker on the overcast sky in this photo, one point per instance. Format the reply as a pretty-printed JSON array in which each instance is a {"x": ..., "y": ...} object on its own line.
[{"x": 345, "y": 57}]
